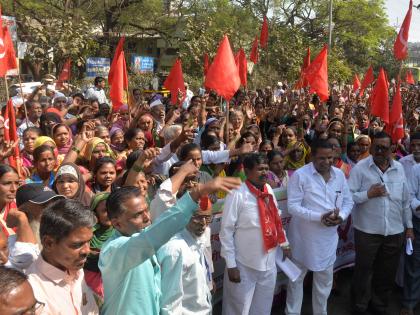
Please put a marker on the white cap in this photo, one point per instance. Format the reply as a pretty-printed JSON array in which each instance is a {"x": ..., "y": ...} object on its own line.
[
  {"x": 156, "y": 103},
  {"x": 279, "y": 83}
]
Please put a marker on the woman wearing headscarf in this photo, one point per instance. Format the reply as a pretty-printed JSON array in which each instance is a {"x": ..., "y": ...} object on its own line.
[
  {"x": 298, "y": 155},
  {"x": 63, "y": 138},
  {"x": 94, "y": 150},
  {"x": 47, "y": 122},
  {"x": 364, "y": 142},
  {"x": 69, "y": 182},
  {"x": 44, "y": 140}
]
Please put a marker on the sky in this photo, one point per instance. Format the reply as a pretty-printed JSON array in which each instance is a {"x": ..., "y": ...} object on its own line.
[{"x": 396, "y": 10}]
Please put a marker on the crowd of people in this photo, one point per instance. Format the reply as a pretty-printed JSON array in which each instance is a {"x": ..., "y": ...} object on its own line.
[{"x": 109, "y": 209}]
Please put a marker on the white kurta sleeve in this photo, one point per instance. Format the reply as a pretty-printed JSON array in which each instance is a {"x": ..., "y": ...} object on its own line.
[
  {"x": 215, "y": 157},
  {"x": 347, "y": 201},
  {"x": 228, "y": 227}
]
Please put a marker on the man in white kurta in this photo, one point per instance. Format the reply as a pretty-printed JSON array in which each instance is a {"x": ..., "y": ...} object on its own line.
[
  {"x": 314, "y": 192},
  {"x": 251, "y": 272}
]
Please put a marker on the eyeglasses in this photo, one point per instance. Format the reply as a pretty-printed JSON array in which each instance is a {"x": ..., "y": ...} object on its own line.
[
  {"x": 199, "y": 218},
  {"x": 34, "y": 309}
]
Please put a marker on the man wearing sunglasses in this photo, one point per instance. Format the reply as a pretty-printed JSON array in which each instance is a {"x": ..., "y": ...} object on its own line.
[{"x": 382, "y": 220}]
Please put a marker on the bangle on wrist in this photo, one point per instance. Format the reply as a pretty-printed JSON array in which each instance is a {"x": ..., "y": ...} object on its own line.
[
  {"x": 137, "y": 168},
  {"x": 75, "y": 150}
]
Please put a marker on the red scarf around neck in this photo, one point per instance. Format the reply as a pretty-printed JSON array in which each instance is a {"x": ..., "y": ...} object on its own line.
[{"x": 271, "y": 226}]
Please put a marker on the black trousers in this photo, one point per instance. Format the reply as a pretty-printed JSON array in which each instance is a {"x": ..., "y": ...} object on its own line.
[{"x": 377, "y": 258}]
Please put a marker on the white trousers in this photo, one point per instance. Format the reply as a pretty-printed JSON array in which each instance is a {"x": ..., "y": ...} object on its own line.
[
  {"x": 321, "y": 289},
  {"x": 253, "y": 295}
]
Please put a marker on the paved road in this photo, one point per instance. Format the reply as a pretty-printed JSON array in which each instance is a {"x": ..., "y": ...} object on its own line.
[{"x": 339, "y": 303}]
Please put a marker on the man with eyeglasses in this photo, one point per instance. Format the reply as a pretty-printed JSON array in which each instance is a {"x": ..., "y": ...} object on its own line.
[
  {"x": 16, "y": 294},
  {"x": 382, "y": 220},
  {"x": 185, "y": 268}
]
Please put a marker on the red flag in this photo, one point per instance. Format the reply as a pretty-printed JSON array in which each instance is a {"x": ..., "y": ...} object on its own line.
[
  {"x": 254, "y": 51},
  {"x": 65, "y": 74},
  {"x": 356, "y": 83},
  {"x": 367, "y": 80},
  {"x": 317, "y": 75},
  {"x": 264, "y": 33},
  {"x": 119, "y": 82},
  {"x": 7, "y": 53},
  {"x": 409, "y": 78},
  {"x": 223, "y": 75},
  {"x": 175, "y": 81},
  {"x": 10, "y": 132},
  {"x": 118, "y": 50},
  {"x": 380, "y": 103},
  {"x": 401, "y": 43},
  {"x": 242, "y": 65},
  {"x": 396, "y": 123},
  {"x": 237, "y": 59},
  {"x": 302, "y": 82},
  {"x": 206, "y": 63}
]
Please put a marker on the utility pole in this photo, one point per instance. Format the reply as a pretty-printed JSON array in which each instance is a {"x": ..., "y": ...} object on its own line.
[{"x": 330, "y": 26}]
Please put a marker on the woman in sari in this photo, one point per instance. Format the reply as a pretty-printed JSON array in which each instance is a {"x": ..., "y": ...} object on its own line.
[{"x": 9, "y": 182}]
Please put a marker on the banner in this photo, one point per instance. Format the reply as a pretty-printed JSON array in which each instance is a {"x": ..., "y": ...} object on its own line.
[
  {"x": 10, "y": 22},
  {"x": 142, "y": 64},
  {"x": 97, "y": 67}
]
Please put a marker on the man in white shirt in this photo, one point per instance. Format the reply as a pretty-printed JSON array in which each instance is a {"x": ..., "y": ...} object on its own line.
[
  {"x": 97, "y": 92},
  {"x": 34, "y": 113},
  {"x": 412, "y": 159},
  {"x": 185, "y": 269},
  {"x": 318, "y": 199},
  {"x": 380, "y": 217},
  {"x": 250, "y": 233}
]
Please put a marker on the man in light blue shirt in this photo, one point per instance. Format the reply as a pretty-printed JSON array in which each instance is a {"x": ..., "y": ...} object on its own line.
[
  {"x": 185, "y": 269},
  {"x": 130, "y": 271}
]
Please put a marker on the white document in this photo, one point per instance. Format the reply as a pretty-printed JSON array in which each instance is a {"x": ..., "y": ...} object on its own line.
[
  {"x": 409, "y": 247},
  {"x": 287, "y": 266}
]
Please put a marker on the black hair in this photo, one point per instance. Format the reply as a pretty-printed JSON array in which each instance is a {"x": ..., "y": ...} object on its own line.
[
  {"x": 186, "y": 149},
  {"x": 78, "y": 95},
  {"x": 4, "y": 169},
  {"x": 32, "y": 129},
  {"x": 46, "y": 129},
  {"x": 64, "y": 216},
  {"x": 320, "y": 144},
  {"x": 104, "y": 109},
  {"x": 266, "y": 141},
  {"x": 31, "y": 103},
  {"x": 114, "y": 203},
  {"x": 350, "y": 145},
  {"x": 381, "y": 135},
  {"x": 175, "y": 167},
  {"x": 208, "y": 139},
  {"x": 10, "y": 279},
  {"x": 192, "y": 101},
  {"x": 272, "y": 154},
  {"x": 98, "y": 80},
  {"x": 253, "y": 159},
  {"x": 415, "y": 136},
  {"x": 41, "y": 149},
  {"x": 101, "y": 162},
  {"x": 131, "y": 134},
  {"x": 132, "y": 158},
  {"x": 245, "y": 135}
]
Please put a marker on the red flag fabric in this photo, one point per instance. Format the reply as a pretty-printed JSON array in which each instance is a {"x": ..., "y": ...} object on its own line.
[
  {"x": 175, "y": 81},
  {"x": 119, "y": 82},
  {"x": 380, "y": 103},
  {"x": 356, "y": 83},
  {"x": 10, "y": 132},
  {"x": 118, "y": 50},
  {"x": 254, "y": 51},
  {"x": 302, "y": 82},
  {"x": 396, "y": 123},
  {"x": 401, "y": 43},
  {"x": 409, "y": 78},
  {"x": 242, "y": 65},
  {"x": 206, "y": 63},
  {"x": 65, "y": 74},
  {"x": 264, "y": 33},
  {"x": 7, "y": 53},
  {"x": 237, "y": 59},
  {"x": 223, "y": 75},
  {"x": 367, "y": 80},
  {"x": 317, "y": 75}
]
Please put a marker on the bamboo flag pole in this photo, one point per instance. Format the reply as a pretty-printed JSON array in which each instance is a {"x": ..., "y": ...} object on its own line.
[{"x": 24, "y": 103}]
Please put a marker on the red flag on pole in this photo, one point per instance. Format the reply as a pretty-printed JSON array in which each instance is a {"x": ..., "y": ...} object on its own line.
[
  {"x": 367, "y": 80},
  {"x": 119, "y": 82},
  {"x": 396, "y": 123},
  {"x": 206, "y": 63},
  {"x": 7, "y": 52},
  {"x": 317, "y": 75},
  {"x": 409, "y": 78},
  {"x": 264, "y": 33},
  {"x": 356, "y": 83},
  {"x": 10, "y": 132},
  {"x": 223, "y": 75},
  {"x": 254, "y": 51},
  {"x": 65, "y": 74},
  {"x": 302, "y": 82},
  {"x": 242, "y": 65},
  {"x": 175, "y": 81},
  {"x": 118, "y": 50},
  {"x": 380, "y": 102},
  {"x": 401, "y": 43}
]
